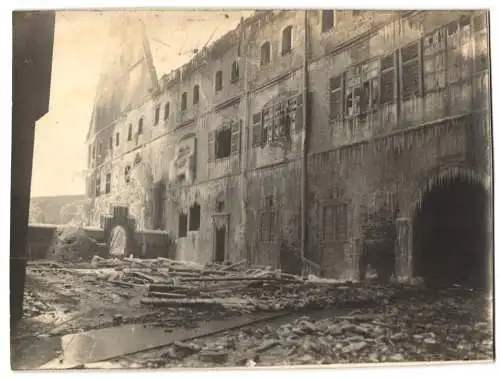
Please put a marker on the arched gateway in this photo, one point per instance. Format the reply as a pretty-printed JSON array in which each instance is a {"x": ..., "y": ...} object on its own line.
[
  {"x": 447, "y": 238},
  {"x": 119, "y": 230}
]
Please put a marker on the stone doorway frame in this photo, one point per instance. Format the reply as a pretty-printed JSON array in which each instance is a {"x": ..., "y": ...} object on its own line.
[{"x": 120, "y": 217}]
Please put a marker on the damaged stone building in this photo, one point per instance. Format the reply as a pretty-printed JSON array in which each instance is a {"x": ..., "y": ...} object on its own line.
[{"x": 345, "y": 140}]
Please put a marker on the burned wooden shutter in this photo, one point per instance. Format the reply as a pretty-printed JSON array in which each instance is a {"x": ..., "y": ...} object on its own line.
[
  {"x": 211, "y": 146},
  {"x": 298, "y": 114},
  {"x": 235, "y": 137},
  {"x": 411, "y": 70},
  {"x": 387, "y": 79},
  {"x": 257, "y": 129},
  {"x": 336, "y": 101}
]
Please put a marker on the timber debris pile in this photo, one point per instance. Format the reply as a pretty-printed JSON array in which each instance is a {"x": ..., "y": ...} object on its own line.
[
  {"x": 317, "y": 321},
  {"x": 232, "y": 287}
]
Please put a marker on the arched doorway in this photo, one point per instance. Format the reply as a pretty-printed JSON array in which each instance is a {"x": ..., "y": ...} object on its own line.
[
  {"x": 117, "y": 242},
  {"x": 450, "y": 235}
]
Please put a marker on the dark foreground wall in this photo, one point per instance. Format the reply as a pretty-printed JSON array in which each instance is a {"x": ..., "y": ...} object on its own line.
[{"x": 33, "y": 38}]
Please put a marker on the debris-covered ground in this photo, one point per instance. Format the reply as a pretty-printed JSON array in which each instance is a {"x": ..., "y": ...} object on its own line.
[
  {"x": 328, "y": 322},
  {"x": 451, "y": 325}
]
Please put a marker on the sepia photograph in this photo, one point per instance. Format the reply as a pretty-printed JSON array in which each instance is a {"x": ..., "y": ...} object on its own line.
[{"x": 235, "y": 188}]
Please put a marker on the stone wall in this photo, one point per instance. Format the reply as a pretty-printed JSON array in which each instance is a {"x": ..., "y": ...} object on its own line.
[
  {"x": 281, "y": 186},
  {"x": 357, "y": 166},
  {"x": 150, "y": 244},
  {"x": 368, "y": 178}
]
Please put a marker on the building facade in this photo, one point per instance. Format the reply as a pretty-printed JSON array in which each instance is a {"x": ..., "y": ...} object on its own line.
[{"x": 318, "y": 133}]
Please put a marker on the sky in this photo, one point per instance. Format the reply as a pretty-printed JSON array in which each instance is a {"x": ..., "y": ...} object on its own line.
[{"x": 80, "y": 45}]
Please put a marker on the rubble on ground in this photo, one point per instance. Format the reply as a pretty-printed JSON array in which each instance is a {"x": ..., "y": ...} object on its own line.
[
  {"x": 71, "y": 243},
  {"x": 33, "y": 306},
  {"x": 448, "y": 328},
  {"x": 232, "y": 287},
  {"x": 346, "y": 322}
]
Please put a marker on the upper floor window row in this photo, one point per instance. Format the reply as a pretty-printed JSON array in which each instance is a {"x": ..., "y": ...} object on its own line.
[
  {"x": 140, "y": 129},
  {"x": 218, "y": 84},
  {"x": 328, "y": 19},
  {"x": 448, "y": 57},
  {"x": 286, "y": 46}
]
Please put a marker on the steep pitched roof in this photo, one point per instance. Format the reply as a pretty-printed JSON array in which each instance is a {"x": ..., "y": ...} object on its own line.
[{"x": 128, "y": 74}]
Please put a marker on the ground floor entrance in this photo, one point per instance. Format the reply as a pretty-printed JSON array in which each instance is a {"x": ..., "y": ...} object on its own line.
[{"x": 450, "y": 239}]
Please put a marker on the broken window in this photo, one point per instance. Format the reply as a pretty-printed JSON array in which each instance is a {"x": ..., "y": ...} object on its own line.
[
  {"x": 196, "y": 94},
  {"x": 129, "y": 135},
  {"x": 459, "y": 46},
  {"x": 194, "y": 217},
  {"x": 218, "y": 81},
  {"x": 141, "y": 124},
  {"x": 353, "y": 92},
  {"x": 157, "y": 115},
  {"x": 108, "y": 183},
  {"x": 327, "y": 20},
  {"x": 235, "y": 72},
  {"x": 286, "y": 41},
  {"x": 117, "y": 137},
  {"x": 335, "y": 222},
  {"x": 265, "y": 53},
  {"x": 481, "y": 43},
  {"x": 98, "y": 185},
  {"x": 336, "y": 109},
  {"x": 277, "y": 121},
  {"x": 184, "y": 101},
  {"x": 127, "y": 174},
  {"x": 435, "y": 61},
  {"x": 166, "y": 111},
  {"x": 267, "y": 222},
  {"x": 223, "y": 143},
  {"x": 282, "y": 121},
  {"x": 410, "y": 65},
  {"x": 295, "y": 113},
  {"x": 183, "y": 224},
  {"x": 370, "y": 90}
]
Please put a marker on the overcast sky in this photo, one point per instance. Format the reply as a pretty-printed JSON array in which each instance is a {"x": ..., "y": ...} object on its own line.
[{"x": 79, "y": 48}]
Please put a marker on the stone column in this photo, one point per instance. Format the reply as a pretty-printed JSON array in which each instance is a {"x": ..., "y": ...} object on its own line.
[{"x": 403, "y": 248}]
